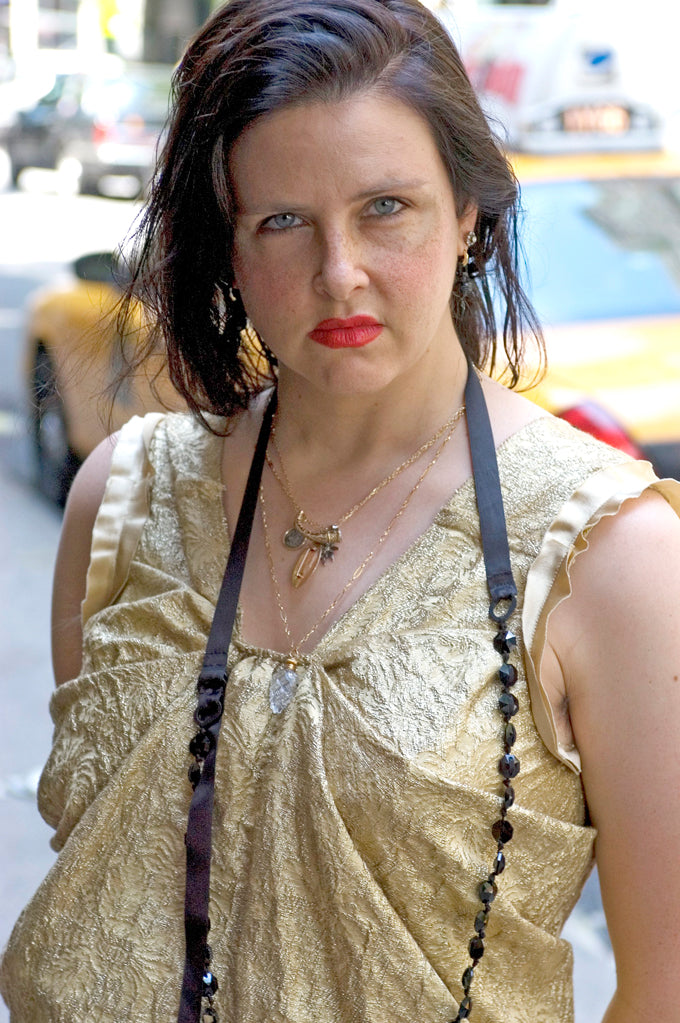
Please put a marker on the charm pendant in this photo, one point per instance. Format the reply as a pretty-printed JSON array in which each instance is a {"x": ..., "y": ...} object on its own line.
[
  {"x": 283, "y": 685},
  {"x": 323, "y": 543},
  {"x": 293, "y": 538},
  {"x": 305, "y": 566}
]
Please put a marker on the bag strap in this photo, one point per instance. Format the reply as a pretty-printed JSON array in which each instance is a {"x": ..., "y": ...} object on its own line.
[
  {"x": 212, "y": 682},
  {"x": 489, "y": 501}
]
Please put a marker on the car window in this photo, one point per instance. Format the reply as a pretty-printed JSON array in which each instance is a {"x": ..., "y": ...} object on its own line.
[{"x": 602, "y": 249}]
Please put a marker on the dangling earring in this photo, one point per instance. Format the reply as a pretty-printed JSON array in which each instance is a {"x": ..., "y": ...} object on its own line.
[
  {"x": 465, "y": 271},
  {"x": 233, "y": 293}
]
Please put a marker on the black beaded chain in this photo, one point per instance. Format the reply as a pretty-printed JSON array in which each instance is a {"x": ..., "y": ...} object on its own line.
[
  {"x": 508, "y": 767},
  {"x": 208, "y": 713}
]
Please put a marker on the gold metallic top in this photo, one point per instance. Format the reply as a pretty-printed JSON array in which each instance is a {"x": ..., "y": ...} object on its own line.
[{"x": 352, "y": 830}]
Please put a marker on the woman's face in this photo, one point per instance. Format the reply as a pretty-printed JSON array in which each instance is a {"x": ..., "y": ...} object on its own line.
[{"x": 345, "y": 212}]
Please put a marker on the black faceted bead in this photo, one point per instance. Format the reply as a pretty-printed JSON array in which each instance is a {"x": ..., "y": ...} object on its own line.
[
  {"x": 502, "y": 831},
  {"x": 504, "y": 643},
  {"x": 509, "y": 797},
  {"x": 468, "y": 977},
  {"x": 487, "y": 892},
  {"x": 508, "y": 705},
  {"x": 210, "y": 984},
  {"x": 508, "y": 765},
  {"x": 201, "y": 744},
  {"x": 507, "y": 673},
  {"x": 476, "y": 949},
  {"x": 510, "y": 734},
  {"x": 194, "y": 773},
  {"x": 499, "y": 863},
  {"x": 480, "y": 922},
  {"x": 465, "y": 1006}
]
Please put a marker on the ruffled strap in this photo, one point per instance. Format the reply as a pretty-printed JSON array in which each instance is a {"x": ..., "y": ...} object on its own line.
[
  {"x": 122, "y": 514},
  {"x": 548, "y": 581}
]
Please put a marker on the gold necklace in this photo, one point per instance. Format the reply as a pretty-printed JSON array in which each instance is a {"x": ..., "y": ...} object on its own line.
[
  {"x": 284, "y": 677},
  {"x": 321, "y": 542}
]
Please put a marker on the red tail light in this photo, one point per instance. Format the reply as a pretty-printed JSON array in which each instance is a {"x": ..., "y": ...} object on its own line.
[
  {"x": 101, "y": 132},
  {"x": 599, "y": 423}
]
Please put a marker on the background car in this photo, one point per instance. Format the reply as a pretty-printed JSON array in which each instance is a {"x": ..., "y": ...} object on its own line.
[
  {"x": 99, "y": 129},
  {"x": 602, "y": 239},
  {"x": 72, "y": 359}
]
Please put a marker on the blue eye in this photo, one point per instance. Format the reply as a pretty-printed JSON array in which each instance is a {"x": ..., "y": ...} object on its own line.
[
  {"x": 281, "y": 221},
  {"x": 387, "y": 205}
]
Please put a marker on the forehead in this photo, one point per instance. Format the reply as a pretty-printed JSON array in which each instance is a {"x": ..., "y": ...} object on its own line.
[{"x": 341, "y": 146}]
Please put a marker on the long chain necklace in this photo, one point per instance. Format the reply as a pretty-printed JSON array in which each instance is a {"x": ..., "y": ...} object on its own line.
[
  {"x": 284, "y": 677},
  {"x": 321, "y": 542}
]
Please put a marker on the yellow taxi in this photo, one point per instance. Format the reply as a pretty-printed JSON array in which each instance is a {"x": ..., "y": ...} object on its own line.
[
  {"x": 75, "y": 364},
  {"x": 602, "y": 240},
  {"x": 73, "y": 358}
]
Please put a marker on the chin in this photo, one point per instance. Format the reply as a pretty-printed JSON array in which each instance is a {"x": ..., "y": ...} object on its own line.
[{"x": 355, "y": 380}]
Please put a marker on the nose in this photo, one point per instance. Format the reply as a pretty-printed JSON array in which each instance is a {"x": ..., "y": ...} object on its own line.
[{"x": 341, "y": 266}]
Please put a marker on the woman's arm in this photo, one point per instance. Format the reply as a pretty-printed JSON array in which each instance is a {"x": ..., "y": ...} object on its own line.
[
  {"x": 617, "y": 640},
  {"x": 73, "y": 558}
]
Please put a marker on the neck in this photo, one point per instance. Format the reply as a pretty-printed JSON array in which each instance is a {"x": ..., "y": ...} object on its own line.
[{"x": 331, "y": 432}]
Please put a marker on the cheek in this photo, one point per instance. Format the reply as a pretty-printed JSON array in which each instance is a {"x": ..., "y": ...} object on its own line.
[
  {"x": 424, "y": 271},
  {"x": 269, "y": 288}
]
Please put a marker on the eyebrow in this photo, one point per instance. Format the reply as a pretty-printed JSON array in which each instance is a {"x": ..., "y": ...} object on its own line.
[
  {"x": 390, "y": 185},
  {"x": 386, "y": 187}
]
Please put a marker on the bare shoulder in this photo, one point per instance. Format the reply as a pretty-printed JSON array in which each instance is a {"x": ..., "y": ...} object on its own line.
[
  {"x": 624, "y": 588},
  {"x": 632, "y": 556},
  {"x": 73, "y": 557},
  {"x": 508, "y": 410}
]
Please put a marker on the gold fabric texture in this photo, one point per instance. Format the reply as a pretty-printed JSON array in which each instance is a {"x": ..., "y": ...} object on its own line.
[{"x": 351, "y": 832}]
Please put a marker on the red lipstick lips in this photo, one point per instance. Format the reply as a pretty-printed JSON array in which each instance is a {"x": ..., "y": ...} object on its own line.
[{"x": 353, "y": 332}]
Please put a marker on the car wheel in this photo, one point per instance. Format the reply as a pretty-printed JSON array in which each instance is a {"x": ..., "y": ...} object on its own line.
[
  {"x": 57, "y": 464},
  {"x": 5, "y": 169},
  {"x": 15, "y": 172}
]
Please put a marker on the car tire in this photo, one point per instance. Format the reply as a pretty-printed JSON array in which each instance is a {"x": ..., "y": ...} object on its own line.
[
  {"x": 56, "y": 462},
  {"x": 15, "y": 172},
  {"x": 5, "y": 170}
]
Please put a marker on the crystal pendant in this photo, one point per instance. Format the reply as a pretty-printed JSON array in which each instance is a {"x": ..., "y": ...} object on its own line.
[{"x": 283, "y": 685}]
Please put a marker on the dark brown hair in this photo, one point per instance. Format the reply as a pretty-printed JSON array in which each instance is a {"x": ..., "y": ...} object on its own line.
[{"x": 254, "y": 57}]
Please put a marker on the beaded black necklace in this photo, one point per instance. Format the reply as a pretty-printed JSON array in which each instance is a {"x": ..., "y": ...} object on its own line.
[{"x": 199, "y": 983}]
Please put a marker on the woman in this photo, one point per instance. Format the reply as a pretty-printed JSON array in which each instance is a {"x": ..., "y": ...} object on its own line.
[{"x": 330, "y": 187}]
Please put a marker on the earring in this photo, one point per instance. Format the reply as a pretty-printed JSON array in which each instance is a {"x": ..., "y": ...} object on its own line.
[
  {"x": 465, "y": 271},
  {"x": 233, "y": 294},
  {"x": 470, "y": 239}
]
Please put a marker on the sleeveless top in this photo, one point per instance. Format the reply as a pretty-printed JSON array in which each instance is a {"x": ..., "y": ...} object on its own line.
[{"x": 352, "y": 830}]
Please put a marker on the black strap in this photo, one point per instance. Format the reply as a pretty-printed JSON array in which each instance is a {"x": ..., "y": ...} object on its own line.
[
  {"x": 492, "y": 525},
  {"x": 213, "y": 677},
  {"x": 211, "y": 685}
]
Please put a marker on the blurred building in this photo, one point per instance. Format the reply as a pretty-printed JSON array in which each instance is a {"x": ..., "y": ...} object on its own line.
[{"x": 150, "y": 30}]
